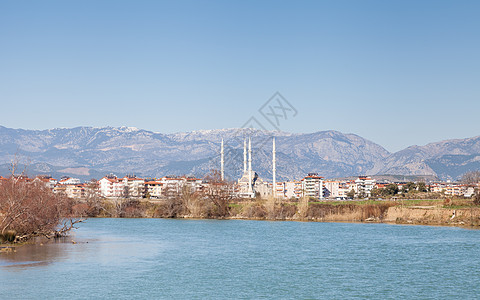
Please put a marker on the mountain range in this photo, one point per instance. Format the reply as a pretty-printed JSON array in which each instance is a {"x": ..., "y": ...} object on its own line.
[{"x": 91, "y": 152}]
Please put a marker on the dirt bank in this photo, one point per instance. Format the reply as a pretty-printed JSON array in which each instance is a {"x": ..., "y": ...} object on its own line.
[{"x": 431, "y": 215}]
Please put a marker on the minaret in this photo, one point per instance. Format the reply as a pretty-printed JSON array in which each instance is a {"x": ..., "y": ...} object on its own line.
[
  {"x": 274, "y": 169},
  {"x": 244, "y": 156},
  {"x": 221, "y": 162},
  {"x": 250, "y": 190}
]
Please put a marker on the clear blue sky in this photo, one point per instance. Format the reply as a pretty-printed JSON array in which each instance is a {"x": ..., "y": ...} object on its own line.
[{"x": 396, "y": 72}]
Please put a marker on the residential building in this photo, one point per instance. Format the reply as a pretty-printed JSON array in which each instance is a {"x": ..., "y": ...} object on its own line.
[
  {"x": 69, "y": 180},
  {"x": 75, "y": 190},
  {"x": 153, "y": 188},
  {"x": 111, "y": 187},
  {"x": 134, "y": 187},
  {"x": 333, "y": 188},
  {"x": 47, "y": 180},
  {"x": 364, "y": 186},
  {"x": 280, "y": 190},
  {"x": 313, "y": 186},
  {"x": 60, "y": 189}
]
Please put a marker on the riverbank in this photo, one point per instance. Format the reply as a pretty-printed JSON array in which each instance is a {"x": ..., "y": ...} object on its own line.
[
  {"x": 429, "y": 212},
  {"x": 461, "y": 212},
  {"x": 464, "y": 217},
  {"x": 414, "y": 215},
  {"x": 417, "y": 212}
]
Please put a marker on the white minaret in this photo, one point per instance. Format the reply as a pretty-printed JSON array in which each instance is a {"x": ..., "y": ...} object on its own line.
[
  {"x": 222, "y": 162},
  {"x": 250, "y": 190},
  {"x": 244, "y": 156},
  {"x": 274, "y": 169}
]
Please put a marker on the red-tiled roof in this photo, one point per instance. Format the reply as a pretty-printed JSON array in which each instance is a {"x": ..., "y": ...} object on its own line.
[{"x": 153, "y": 182}]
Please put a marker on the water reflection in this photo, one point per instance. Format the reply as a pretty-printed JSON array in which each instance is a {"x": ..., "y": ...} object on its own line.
[
  {"x": 40, "y": 253},
  {"x": 104, "y": 250}
]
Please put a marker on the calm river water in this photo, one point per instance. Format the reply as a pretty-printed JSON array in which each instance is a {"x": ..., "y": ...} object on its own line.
[{"x": 202, "y": 259}]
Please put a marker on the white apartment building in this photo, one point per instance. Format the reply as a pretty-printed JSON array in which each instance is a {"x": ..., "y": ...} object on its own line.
[
  {"x": 333, "y": 188},
  {"x": 289, "y": 189},
  {"x": 134, "y": 187},
  {"x": 313, "y": 186},
  {"x": 154, "y": 188},
  {"x": 105, "y": 186},
  {"x": 128, "y": 186},
  {"x": 75, "y": 190},
  {"x": 364, "y": 185},
  {"x": 345, "y": 188},
  {"x": 111, "y": 187},
  {"x": 280, "y": 190},
  {"x": 174, "y": 184}
]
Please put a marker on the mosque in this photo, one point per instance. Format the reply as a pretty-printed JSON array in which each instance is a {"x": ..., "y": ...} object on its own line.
[{"x": 250, "y": 183}]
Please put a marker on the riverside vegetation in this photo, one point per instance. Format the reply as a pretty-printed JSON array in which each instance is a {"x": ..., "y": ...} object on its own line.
[
  {"x": 415, "y": 205},
  {"x": 217, "y": 202},
  {"x": 29, "y": 209}
]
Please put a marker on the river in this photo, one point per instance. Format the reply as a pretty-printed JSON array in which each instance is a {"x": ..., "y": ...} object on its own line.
[{"x": 235, "y": 259}]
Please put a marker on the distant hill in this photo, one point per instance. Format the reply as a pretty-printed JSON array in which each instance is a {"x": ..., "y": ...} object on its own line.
[
  {"x": 89, "y": 152},
  {"x": 447, "y": 159}
]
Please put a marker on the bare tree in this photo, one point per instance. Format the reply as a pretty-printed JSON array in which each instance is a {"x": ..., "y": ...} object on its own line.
[
  {"x": 92, "y": 199},
  {"x": 192, "y": 202},
  {"x": 126, "y": 191},
  {"x": 303, "y": 205},
  {"x": 174, "y": 205},
  {"x": 29, "y": 208},
  {"x": 473, "y": 178},
  {"x": 219, "y": 192},
  {"x": 118, "y": 207},
  {"x": 476, "y": 198}
]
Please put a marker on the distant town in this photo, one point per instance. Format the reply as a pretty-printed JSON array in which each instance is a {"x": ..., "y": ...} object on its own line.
[
  {"x": 312, "y": 186},
  {"x": 250, "y": 185}
]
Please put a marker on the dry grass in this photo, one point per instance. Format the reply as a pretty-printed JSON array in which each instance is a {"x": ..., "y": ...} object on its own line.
[{"x": 347, "y": 211}]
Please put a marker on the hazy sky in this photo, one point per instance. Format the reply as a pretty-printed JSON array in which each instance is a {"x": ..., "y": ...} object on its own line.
[{"x": 395, "y": 72}]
